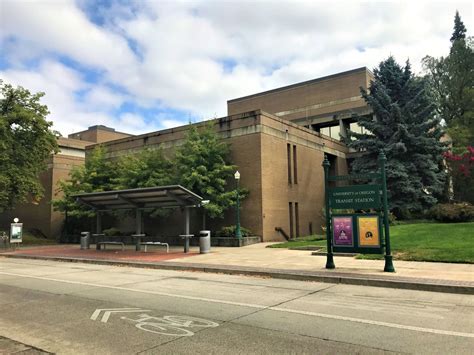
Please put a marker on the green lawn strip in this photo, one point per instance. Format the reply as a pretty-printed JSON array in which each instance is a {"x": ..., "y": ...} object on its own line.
[
  {"x": 438, "y": 242},
  {"x": 444, "y": 242},
  {"x": 309, "y": 241}
]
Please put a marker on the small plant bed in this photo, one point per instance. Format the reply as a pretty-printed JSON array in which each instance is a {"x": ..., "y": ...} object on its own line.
[
  {"x": 311, "y": 242},
  {"x": 436, "y": 242}
]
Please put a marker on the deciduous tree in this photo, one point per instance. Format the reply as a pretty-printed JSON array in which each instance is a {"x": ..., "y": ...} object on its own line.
[
  {"x": 26, "y": 143},
  {"x": 95, "y": 175},
  {"x": 146, "y": 168},
  {"x": 203, "y": 166}
]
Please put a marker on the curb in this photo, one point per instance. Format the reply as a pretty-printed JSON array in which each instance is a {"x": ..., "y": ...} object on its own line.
[{"x": 406, "y": 283}]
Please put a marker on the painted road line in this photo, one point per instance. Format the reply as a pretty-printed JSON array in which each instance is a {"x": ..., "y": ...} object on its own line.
[
  {"x": 249, "y": 305},
  {"x": 192, "y": 298},
  {"x": 96, "y": 313},
  {"x": 374, "y": 322}
]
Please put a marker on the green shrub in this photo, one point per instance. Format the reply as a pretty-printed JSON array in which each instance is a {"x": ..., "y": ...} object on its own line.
[
  {"x": 453, "y": 212},
  {"x": 229, "y": 231},
  {"x": 111, "y": 232}
]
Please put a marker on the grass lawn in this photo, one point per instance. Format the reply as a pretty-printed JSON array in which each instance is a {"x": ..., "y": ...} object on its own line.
[
  {"x": 309, "y": 241},
  {"x": 441, "y": 242}
]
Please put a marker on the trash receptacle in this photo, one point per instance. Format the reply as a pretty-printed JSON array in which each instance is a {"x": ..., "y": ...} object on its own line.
[
  {"x": 85, "y": 240},
  {"x": 204, "y": 242}
]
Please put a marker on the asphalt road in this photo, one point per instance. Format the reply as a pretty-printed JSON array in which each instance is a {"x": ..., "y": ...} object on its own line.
[{"x": 73, "y": 308}]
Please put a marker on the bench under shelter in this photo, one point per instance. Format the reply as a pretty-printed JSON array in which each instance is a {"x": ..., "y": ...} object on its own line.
[{"x": 139, "y": 200}]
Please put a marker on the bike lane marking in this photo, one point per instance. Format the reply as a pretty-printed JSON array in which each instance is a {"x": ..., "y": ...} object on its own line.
[
  {"x": 171, "y": 325},
  {"x": 249, "y": 305}
]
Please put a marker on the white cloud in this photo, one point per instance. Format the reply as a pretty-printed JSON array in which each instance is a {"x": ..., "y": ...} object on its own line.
[
  {"x": 60, "y": 26},
  {"x": 194, "y": 56},
  {"x": 103, "y": 98}
]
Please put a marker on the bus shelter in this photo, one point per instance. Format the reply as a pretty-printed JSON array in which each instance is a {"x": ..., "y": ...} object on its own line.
[{"x": 141, "y": 199}]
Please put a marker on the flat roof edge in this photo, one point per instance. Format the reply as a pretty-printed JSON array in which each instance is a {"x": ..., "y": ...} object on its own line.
[{"x": 323, "y": 78}]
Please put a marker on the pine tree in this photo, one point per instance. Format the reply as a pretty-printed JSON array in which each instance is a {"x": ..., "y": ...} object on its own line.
[
  {"x": 459, "y": 28},
  {"x": 452, "y": 84},
  {"x": 405, "y": 127}
]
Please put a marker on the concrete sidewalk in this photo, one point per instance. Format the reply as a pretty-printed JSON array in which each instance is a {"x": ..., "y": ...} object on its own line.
[{"x": 258, "y": 260}]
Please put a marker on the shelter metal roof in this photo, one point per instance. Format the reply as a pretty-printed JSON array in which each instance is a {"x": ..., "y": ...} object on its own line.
[{"x": 142, "y": 198}]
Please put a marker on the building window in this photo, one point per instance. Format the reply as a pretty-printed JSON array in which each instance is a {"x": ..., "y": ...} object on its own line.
[
  {"x": 297, "y": 220},
  {"x": 288, "y": 153},
  {"x": 326, "y": 131},
  {"x": 295, "y": 166},
  {"x": 290, "y": 208}
]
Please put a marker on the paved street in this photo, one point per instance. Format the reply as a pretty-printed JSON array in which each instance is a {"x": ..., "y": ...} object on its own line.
[{"x": 84, "y": 308}]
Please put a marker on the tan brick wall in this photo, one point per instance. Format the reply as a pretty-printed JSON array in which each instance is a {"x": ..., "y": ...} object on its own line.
[
  {"x": 340, "y": 92},
  {"x": 308, "y": 192},
  {"x": 245, "y": 153},
  {"x": 96, "y": 134},
  {"x": 62, "y": 166},
  {"x": 42, "y": 216}
]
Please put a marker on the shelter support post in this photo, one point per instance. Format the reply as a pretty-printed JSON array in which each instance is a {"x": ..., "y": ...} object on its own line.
[
  {"x": 138, "y": 229},
  {"x": 186, "y": 211},
  {"x": 98, "y": 225},
  {"x": 186, "y": 239},
  {"x": 138, "y": 221}
]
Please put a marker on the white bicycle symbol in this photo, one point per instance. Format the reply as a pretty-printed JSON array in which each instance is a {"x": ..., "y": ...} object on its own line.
[{"x": 171, "y": 325}]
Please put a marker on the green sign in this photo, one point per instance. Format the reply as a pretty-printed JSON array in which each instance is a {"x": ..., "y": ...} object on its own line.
[
  {"x": 360, "y": 233},
  {"x": 355, "y": 197}
]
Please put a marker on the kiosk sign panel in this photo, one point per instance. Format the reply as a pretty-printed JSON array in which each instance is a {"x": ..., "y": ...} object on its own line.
[
  {"x": 16, "y": 232},
  {"x": 369, "y": 233},
  {"x": 342, "y": 231}
]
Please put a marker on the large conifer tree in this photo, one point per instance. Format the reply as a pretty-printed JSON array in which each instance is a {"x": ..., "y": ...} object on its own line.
[
  {"x": 459, "y": 31},
  {"x": 405, "y": 127},
  {"x": 452, "y": 84}
]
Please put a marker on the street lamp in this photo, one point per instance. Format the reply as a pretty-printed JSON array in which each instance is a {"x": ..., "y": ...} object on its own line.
[{"x": 238, "y": 233}]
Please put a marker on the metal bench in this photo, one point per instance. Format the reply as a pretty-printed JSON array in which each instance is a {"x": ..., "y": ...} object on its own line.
[
  {"x": 146, "y": 244},
  {"x": 111, "y": 243}
]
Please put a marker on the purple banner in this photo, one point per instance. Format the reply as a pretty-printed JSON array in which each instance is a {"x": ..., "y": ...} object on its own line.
[{"x": 342, "y": 231}]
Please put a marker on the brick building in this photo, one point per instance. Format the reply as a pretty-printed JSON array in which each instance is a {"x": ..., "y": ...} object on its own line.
[{"x": 278, "y": 142}]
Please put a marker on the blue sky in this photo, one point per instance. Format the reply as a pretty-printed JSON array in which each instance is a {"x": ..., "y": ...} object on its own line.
[{"x": 140, "y": 66}]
